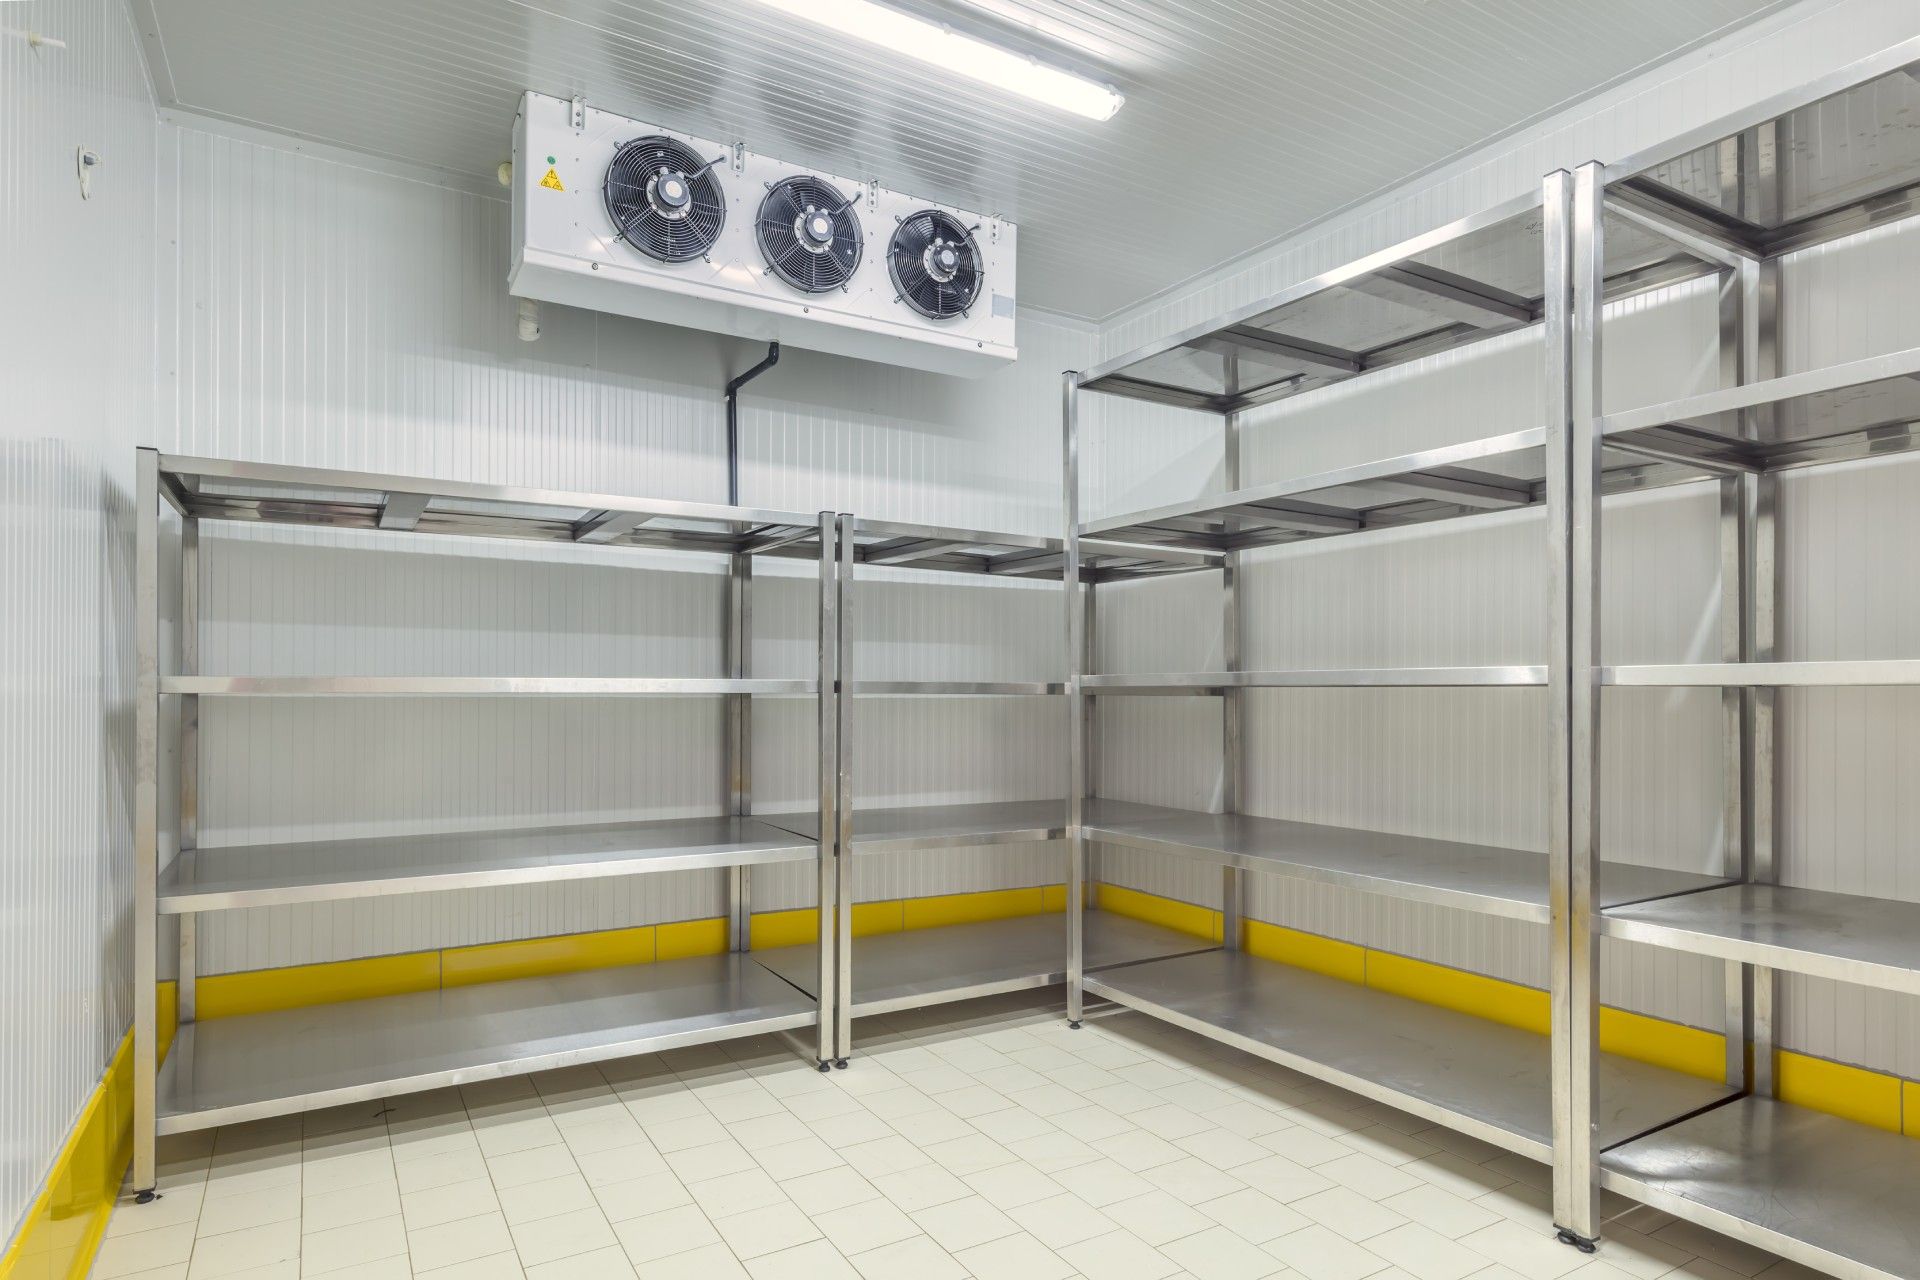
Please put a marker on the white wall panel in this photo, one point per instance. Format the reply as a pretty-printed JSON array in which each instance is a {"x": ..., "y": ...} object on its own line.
[
  {"x": 76, "y": 351},
  {"x": 335, "y": 315}
]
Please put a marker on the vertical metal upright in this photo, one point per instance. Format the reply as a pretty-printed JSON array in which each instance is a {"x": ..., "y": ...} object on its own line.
[
  {"x": 1232, "y": 701},
  {"x": 738, "y": 733},
  {"x": 827, "y": 713},
  {"x": 1573, "y": 359},
  {"x": 1556, "y": 212},
  {"x": 1076, "y": 698},
  {"x": 843, "y": 791},
  {"x": 146, "y": 815},
  {"x": 188, "y": 661},
  {"x": 1759, "y": 285}
]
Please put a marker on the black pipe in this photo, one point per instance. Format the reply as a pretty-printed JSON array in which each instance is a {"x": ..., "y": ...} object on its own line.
[{"x": 733, "y": 420}]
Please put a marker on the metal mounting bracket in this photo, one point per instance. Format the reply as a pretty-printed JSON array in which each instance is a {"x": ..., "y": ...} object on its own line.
[
  {"x": 739, "y": 157},
  {"x": 577, "y": 113}
]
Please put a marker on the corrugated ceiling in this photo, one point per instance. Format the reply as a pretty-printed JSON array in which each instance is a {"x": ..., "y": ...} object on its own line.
[{"x": 1244, "y": 121}]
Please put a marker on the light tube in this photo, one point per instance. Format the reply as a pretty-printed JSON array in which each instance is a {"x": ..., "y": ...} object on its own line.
[{"x": 948, "y": 50}]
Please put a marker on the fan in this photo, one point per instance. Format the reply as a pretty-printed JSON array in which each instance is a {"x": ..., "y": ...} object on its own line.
[
  {"x": 664, "y": 198},
  {"x": 807, "y": 234},
  {"x": 935, "y": 264}
]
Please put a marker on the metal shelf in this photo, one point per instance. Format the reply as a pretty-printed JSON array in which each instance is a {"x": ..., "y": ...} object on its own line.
[
  {"x": 1822, "y": 1191},
  {"x": 892, "y": 544},
  {"x": 957, "y": 688},
  {"x": 474, "y": 686},
  {"x": 230, "y": 1070},
  {"x": 941, "y": 826},
  {"x": 1871, "y": 941},
  {"x": 258, "y": 492},
  {"x": 1497, "y": 473},
  {"x": 1216, "y": 682},
  {"x": 1450, "y": 287},
  {"x": 1482, "y": 1078},
  {"x": 1480, "y": 878},
  {"x": 1859, "y": 409},
  {"x": 1779, "y": 675},
  {"x": 267, "y": 875},
  {"x": 920, "y": 967}
]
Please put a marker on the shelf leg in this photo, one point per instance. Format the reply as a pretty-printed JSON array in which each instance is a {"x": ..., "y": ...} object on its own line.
[
  {"x": 189, "y": 763},
  {"x": 1571, "y": 238},
  {"x": 1232, "y": 704},
  {"x": 1076, "y": 700},
  {"x": 146, "y": 815},
  {"x": 827, "y": 725},
  {"x": 843, "y": 796},
  {"x": 738, "y": 711}
]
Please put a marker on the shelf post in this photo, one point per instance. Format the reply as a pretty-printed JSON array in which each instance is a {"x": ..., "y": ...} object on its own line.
[
  {"x": 1232, "y": 701},
  {"x": 827, "y": 725},
  {"x": 146, "y": 814},
  {"x": 843, "y": 793},
  {"x": 1571, "y": 233},
  {"x": 1759, "y": 285},
  {"x": 739, "y": 740},
  {"x": 189, "y": 766},
  {"x": 1076, "y": 699}
]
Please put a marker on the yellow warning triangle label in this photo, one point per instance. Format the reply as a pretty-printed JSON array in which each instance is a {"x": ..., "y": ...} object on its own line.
[{"x": 552, "y": 181}]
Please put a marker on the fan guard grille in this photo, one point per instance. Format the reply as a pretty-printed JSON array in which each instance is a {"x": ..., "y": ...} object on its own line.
[
  {"x": 648, "y": 219},
  {"x": 792, "y": 252},
  {"x": 916, "y": 259}
]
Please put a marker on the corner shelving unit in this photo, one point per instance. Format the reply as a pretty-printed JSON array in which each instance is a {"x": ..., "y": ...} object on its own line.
[
  {"x": 887, "y": 972},
  {"x": 1492, "y": 273},
  {"x": 1806, "y": 168},
  {"x": 251, "y": 1066}
]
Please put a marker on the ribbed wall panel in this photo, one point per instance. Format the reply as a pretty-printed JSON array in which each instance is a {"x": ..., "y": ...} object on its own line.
[
  {"x": 77, "y": 338},
  {"x": 334, "y": 315}
]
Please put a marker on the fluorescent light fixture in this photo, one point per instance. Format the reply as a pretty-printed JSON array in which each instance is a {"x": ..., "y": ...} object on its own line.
[{"x": 950, "y": 51}]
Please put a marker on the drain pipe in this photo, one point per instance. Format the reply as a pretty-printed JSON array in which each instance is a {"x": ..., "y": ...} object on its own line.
[{"x": 733, "y": 420}]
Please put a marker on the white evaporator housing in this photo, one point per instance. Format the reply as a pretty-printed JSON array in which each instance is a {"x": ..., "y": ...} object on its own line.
[{"x": 615, "y": 215}]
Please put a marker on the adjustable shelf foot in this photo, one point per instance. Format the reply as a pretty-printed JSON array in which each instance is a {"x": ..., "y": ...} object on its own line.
[
  {"x": 1577, "y": 1241},
  {"x": 825, "y": 1066},
  {"x": 1073, "y": 1024},
  {"x": 840, "y": 1064},
  {"x": 146, "y": 1197}
]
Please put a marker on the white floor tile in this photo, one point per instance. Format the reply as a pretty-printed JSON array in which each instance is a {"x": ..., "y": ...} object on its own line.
[
  {"x": 763, "y": 1231},
  {"x": 1119, "y": 1256},
  {"x": 448, "y": 1203},
  {"x": 709, "y": 1262},
  {"x": 462, "y": 1240},
  {"x": 816, "y": 1261},
  {"x": 960, "y": 1224},
  {"x": 602, "y": 1264},
  {"x": 549, "y": 1239},
  {"x": 1020, "y": 1255},
  {"x": 236, "y": 1251},
  {"x": 338, "y": 1248},
  {"x": 661, "y": 1235},
  {"x": 1158, "y": 1217},
  {"x": 1062, "y": 1220},
  {"x": 1319, "y": 1254},
  {"x": 831, "y": 1189},
  {"x": 1218, "y": 1254}
]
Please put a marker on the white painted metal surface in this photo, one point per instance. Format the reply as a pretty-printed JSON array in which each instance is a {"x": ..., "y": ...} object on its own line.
[
  {"x": 567, "y": 248},
  {"x": 76, "y": 361}
]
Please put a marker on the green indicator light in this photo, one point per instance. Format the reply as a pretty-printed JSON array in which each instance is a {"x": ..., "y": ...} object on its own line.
[{"x": 551, "y": 160}]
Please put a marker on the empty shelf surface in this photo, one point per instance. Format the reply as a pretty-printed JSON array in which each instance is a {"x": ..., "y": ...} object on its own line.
[
  {"x": 918, "y": 967},
  {"x": 1448, "y": 873},
  {"x": 1211, "y": 682},
  {"x": 1735, "y": 675},
  {"x": 265, "y": 1064},
  {"x": 1829, "y": 414},
  {"x": 320, "y": 870},
  {"x": 1872, "y": 941},
  {"x": 941, "y": 825},
  {"x": 1820, "y": 1190},
  {"x": 1482, "y": 1078},
  {"x": 473, "y": 686}
]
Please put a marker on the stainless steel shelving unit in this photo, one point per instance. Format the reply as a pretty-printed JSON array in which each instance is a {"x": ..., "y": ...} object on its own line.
[
  {"x": 1507, "y": 268},
  {"x": 251, "y": 1066},
  {"x": 888, "y": 972},
  {"x": 1808, "y": 166}
]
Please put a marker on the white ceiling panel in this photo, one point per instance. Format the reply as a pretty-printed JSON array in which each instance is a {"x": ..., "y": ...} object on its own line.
[{"x": 1243, "y": 122}]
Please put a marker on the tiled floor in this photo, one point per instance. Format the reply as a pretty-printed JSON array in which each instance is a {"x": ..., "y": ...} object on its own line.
[{"x": 982, "y": 1139}]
